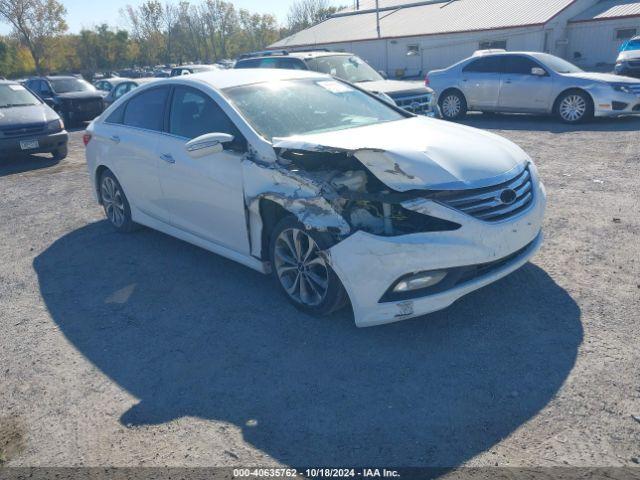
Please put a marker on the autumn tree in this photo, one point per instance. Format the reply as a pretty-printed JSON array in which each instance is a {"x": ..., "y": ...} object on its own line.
[{"x": 35, "y": 23}]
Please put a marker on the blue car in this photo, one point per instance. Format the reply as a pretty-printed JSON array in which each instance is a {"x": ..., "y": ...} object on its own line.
[{"x": 628, "y": 62}]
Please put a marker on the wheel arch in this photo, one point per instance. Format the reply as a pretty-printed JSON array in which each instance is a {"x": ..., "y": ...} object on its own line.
[
  {"x": 556, "y": 102},
  {"x": 270, "y": 213},
  {"x": 450, "y": 90},
  {"x": 98, "y": 175}
]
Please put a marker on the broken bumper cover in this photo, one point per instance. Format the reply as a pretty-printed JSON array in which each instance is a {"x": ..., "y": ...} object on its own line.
[{"x": 368, "y": 265}]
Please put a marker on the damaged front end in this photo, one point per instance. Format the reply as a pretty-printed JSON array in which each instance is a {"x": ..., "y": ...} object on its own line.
[{"x": 390, "y": 232}]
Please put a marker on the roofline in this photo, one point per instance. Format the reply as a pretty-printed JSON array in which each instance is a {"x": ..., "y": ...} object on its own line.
[
  {"x": 604, "y": 19},
  {"x": 539, "y": 24},
  {"x": 412, "y": 36}
]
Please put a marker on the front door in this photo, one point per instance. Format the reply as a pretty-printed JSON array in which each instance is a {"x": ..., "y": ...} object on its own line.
[
  {"x": 520, "y": 90},
  {"x": 205, "y": 195}
]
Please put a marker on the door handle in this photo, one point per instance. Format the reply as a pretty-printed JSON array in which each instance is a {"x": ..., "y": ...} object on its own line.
[
  {"x": 168, "y": 158},
  {"x": 115, "y": 139},
  {"x": 507, "y": 81}
]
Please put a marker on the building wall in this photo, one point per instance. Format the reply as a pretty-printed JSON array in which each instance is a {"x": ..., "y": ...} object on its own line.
[{"x": 596, "y": 41}]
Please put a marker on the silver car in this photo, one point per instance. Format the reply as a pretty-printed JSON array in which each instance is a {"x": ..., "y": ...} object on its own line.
[{"x": 532, "y": 82}]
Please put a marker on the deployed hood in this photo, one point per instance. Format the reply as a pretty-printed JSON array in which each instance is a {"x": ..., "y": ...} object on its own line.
[
  {"x": 421, "y": 153},
  {"x": 394, "y": 87},
  {"x": 35, "y": 114},
  {"x": 602, "y": 77}
]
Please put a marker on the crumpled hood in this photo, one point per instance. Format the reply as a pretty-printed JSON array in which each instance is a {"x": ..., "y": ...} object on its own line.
[
  {"x": 17, "y": 116},
  {"x": 394, "y": 87},
  {"x": 602, "y": 77},
  {"x": 420, "y": 153}
]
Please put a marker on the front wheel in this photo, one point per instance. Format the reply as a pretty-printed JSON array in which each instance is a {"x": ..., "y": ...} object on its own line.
[
  {"x": 301, "y": 269},
  {"x": 575, "y": 107},
  {"x": 60, "y": 153},
  {"x": 453, "y": 105}
]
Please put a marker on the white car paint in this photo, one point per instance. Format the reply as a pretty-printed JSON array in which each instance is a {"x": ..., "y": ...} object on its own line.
[{"x": 214, "y": 201}]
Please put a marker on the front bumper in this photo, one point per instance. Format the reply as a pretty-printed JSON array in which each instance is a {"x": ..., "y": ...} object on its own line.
[
  {"x": 627, "y": 70},
  {"x": 47, "y": 143},
  {"x": 611, "y": 103},
  {"x": 368, "y": 264}
]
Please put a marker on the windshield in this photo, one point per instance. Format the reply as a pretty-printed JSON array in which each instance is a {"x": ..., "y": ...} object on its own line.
[
  {"x": 67, "y": 85},
  {"x": 298, "y": 107},
  {"x": 16, "y": 96},
  {"x": 557, "y": 64},
  {"x": 348, "y": 67},
  {"x": 631, "y": 45}
]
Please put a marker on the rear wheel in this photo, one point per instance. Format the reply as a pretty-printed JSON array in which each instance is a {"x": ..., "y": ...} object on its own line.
[
  {"x": 301, "y": 269},
  {"x": 574, "y": 107},
  {"x": 453, "y": 105},
  {"x": 115, "y": 203}
]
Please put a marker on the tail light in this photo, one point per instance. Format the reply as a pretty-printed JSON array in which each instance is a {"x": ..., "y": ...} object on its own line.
[
  {"x": 426, "y": 80},
  {"x": 86, "y": 138}
]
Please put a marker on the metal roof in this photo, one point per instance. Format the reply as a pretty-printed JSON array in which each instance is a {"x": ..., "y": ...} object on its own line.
[
  {"x": 427, "y": 18},
  {"x": 609, "y": 9}
]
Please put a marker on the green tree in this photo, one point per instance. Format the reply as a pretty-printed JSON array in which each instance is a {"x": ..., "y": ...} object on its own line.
[{"x": 35, "y": 23}]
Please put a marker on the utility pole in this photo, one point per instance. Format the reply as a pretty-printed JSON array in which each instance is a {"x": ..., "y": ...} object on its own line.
[{"x": 378, "y": 17}]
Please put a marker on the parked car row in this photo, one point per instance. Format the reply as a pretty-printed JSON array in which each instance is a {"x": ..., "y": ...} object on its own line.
[{"x": 531, "y": 82}]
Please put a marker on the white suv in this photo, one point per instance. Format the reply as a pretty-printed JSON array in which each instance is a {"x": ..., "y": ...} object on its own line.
[{"x": 338, "y": 193}]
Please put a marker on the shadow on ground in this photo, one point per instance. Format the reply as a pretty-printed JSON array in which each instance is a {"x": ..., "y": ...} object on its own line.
[
  {"x": 190, "y": 333},
  {"x": 539, "y": 123},
  {"x": 25, "y": 163}
]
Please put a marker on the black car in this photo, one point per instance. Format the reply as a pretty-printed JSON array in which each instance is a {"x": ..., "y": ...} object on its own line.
[
  {"x": 74, "y": 99},
  {"x": 28, "y": 125}
]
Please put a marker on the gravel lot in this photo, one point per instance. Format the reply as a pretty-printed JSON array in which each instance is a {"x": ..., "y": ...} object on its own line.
[{"x": 140, "y": 349}]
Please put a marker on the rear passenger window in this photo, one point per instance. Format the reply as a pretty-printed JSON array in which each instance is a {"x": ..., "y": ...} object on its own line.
[
  {"x": 253, "y": 63},
  {"x": 485, "y": 65},
  {"x": 194, "y": 113},
  {"x": 146, "y": 110},
  {"x": 291, "y": 64},
  {"x": 117, "y": 116}
]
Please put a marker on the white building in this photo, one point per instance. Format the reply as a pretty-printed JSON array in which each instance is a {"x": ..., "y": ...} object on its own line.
[{"x": 411, "y": 37}]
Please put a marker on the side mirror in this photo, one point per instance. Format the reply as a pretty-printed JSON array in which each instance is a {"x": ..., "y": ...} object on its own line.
[
  {"x": 207, "y": 144},
  {"x": 383, "y": 74},
  {"x": 538, "y": 72}
]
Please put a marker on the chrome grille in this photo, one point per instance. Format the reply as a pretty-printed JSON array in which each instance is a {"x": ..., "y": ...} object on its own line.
[
  {"x": 634, "y": 63},
  {"x": 486, "y": 203},
  {"x": 23, "y": 130},
  {"x": 419, "y": 104}
]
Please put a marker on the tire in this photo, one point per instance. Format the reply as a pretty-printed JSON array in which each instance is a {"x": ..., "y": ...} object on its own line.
[
  {"x": 574, "y": 107},
  {"x": 453, "y": 105},
  {"x": 115, "y": 203},
  {"x": 60, "y": 153},
  {"x": 304, "y": 276}
]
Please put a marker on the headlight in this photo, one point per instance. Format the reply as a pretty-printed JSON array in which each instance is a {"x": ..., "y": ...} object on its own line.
[
  {"x": 386, "y": 98},
  {"x": 55, "y": 126},
  {"x": 621, "y": 88}
]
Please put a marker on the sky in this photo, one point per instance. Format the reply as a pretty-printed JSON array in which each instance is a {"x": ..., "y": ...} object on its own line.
[{"x": 88, "y": 13}]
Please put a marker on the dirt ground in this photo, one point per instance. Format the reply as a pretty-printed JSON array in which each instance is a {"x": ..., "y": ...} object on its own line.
[{"x": 126, "y": 350}]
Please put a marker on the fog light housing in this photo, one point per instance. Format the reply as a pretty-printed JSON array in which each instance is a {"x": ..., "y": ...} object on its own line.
[{"x": 418, "y": 281}]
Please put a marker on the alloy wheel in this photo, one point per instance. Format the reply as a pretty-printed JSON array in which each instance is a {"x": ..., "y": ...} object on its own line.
[
  {"x": 301, "y": 270},
  {"x": 113, "y": 201},
  {"x": 451, "y": 106},
  {"x": 573, "y": 108}
]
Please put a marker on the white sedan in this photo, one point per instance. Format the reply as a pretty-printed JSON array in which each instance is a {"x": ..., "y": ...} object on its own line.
[{"x": 342, "y": 196}]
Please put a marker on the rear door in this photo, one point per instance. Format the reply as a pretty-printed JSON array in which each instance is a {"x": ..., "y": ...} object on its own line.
[
  {"x": 132, "y": 137},
  {"x": 481, "y": 82},
  {"x": 205, "y": 195},
  {"x": 520, "y": 90}
]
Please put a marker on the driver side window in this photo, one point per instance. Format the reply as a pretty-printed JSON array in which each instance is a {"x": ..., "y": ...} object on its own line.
[{"x": 193, "y": 113}]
